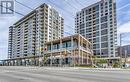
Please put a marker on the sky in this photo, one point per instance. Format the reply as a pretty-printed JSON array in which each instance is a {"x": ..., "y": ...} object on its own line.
[{"x": 68, "y": 9}]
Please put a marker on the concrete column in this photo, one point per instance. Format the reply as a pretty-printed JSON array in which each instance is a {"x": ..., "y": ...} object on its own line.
[
  {"x": 82, "y": 49},
  {"x": 51, "y": 53},
  {"x": 72, "y": 48},
  {"x": 60, "y": 52},
  {"x": 87, "y": 58},
  {"x": 79, "y": 49},
  {"x": 74, "y": 57}
]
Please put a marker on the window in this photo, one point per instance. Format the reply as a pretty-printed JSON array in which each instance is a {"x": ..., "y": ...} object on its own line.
[
  {"x": 104, "y": 19},
  {"x": 82, "y": 31},
  {"x": 86, "y": 12},
  {"x": 104, "y": 32},
  {"x": 95, "y": 46},
  {"x": 96, "y": 52},
  {"x": 104, "y": 38},
  {"x": 54, "y": 46},
  {"x": 105, "y": 3},
  {"x": 81, "y": 26},
  {"x": 104, "y": 45},
  {"x": 64, "y": 45},
  {"x": 97, "y": 15},
  {"x": 68, "y": 44},
  {"x": 104, "y": 51},
  {"x": 86, "y": 18},
  {"x": 96, "y": 34},
  {"x": 87, "y": 24},
  {"x": 110, "y": 5},
  {"x": 49, "y": 47},
  {"x": 97, "y": 27},
  {"x": 103, "y": 25},
  {"x": 110, "y": 1},
  {"x": 97, "y": 8},
  {"x": 97, "y": 21},
  {"x": 96, "y": 40},
  {"x": 101, "y": 4}
]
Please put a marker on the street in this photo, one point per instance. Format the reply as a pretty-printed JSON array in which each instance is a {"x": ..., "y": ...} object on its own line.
[{"x": 67, "y": 74}]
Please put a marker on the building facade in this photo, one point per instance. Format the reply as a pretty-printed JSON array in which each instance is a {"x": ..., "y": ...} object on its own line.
[
  {"x": 10, "y": 42},
  {"x": 66, "y": 51},
  {"x": 98, "y": 23},
  {"x": 31, "y": 32},
  {"x": 70, "y": 50}
]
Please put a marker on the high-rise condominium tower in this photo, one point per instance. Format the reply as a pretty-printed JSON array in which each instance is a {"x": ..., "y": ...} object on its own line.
[
  {"x": 98, "y": 23},
  {"x": 28, "y": 35}
]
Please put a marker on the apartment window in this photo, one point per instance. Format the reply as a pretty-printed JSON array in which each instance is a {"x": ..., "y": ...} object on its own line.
[
  {"x": 104, "y": 45},
  {"x": 90, "y": 10},
  {"x": 90, "y": 23},
  {"x": 95, "y": 40},
  {"x": 110, "y": 9},
  {"x": 111, "y": 29},
  {"x": 101, "y": 4},
  {"x": 97, "y": 52},
  {"x": 49, "y": 47},
  {"x": 81, "y": 26},
  {"x": 97, "y": 15},
  {"x": 97, "y": 21},
  {"x": 111, "y": 19},
  {"x": 106, "y": 7},
  {"x": 111, "y": 42},
  {"x": 104, "y": 32},
  {"x": 54, "y": 46},
  {"x": 89, "y": 36},
  {"x": 96, "y": 46},
  {"x": 82, "y": 31},
  {"x": 64, "y": 45},
  {"x": 111, "y": 25},
  {"x": 88, "y": 30},
  {"x": 104, "y": 19},
  {"x": 104, "y": 51},
  {"x": 68, "y": 44},
  {"x": 104, "y": 38},
  {"x": 96, "y": 34},
  {"x": 110, "y": 22},
  {"x": 111, "y": 39},
  {"x": 110, "y": 5},
  {"x": 97, "y": 8},
  {"x": 87, "y": 24},
  {"x": 104, "y": 26},
  {"x": 111, "y": 45},
  {"x": 105, "y": 3},
  {"x": 89, "y": 17},
  {"x": 110, "y": 1},
  {"x": 87, "y": 12},
  {"x": 86, "y": 18},
  {"x": 97, "y": 27}
]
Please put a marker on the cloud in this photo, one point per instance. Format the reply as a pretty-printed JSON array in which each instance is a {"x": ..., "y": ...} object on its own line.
[
  {"x": 123, "y": 7},
  {"x": 124, "y": 28}
]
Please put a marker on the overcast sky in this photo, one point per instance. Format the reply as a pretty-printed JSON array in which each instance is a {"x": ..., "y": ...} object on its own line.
[{"x": 67, "y": 8}]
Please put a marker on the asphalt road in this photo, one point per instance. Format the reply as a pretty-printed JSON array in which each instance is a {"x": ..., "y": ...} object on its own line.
[{"x": 46, "y": 74}]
